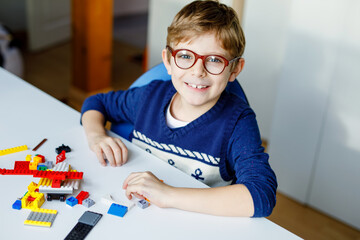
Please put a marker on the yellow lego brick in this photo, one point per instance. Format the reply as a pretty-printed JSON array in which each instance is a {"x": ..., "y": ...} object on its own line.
[
  {"x": 37, "y": 223},
  {"x": 32, "y": 187},
  {"x": 45, "y": 182},
  {"x": 37, "y": 203},
  {"x": 41, "y": 217},
  {"x": 33, "y": 166},
  {"x": 28, "y": 158},
  {"x": 13, "y": 150},
  {"x": 37, "y": 159}
]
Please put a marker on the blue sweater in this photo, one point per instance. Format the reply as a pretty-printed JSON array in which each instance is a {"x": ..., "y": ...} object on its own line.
[{"x": 221, "y": 147}]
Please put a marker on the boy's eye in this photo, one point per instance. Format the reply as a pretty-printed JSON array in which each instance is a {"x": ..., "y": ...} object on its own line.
[
  {"x": 184, "y": 56},
  {"x": 214, "y": 59}
]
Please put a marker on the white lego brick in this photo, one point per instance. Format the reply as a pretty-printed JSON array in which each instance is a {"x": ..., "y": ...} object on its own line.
[
  {"x": 108, "y": 200},
  {"x": 45, "y": 186},
  {"x": 62, "y": 167},
  {"x": 62, "y": 189}
]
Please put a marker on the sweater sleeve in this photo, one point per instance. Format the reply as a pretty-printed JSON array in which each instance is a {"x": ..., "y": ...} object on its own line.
[
  {"x": 116, "y": 106},
  {"x": 251, "y": 164}
]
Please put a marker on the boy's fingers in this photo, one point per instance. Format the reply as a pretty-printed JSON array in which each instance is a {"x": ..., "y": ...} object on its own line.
[
  {"x": 99, "y": 155},
  {"x": 109, "y": 155},
  {"x": 124, "y": 151},
  {"x": 117, "y": 153},
  {"x": 130, "y": 179}
]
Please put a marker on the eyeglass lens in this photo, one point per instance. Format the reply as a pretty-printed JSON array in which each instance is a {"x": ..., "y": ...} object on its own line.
[{"x": 186, "y": 59}]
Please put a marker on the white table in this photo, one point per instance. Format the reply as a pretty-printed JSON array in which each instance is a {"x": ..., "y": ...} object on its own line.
[{"x": 27, "y": 115}]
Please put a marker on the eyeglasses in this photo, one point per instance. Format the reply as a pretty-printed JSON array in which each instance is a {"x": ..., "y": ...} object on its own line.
[{"x": 213, "y": 64}]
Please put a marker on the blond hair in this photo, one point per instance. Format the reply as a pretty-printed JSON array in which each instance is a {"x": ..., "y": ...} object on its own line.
[{"x": 201, "y": 17}]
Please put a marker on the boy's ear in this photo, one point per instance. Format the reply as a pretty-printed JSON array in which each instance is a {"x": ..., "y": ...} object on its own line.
[
  {"x": 237, "y": 70},
  {"x": 166, "y": 61}
]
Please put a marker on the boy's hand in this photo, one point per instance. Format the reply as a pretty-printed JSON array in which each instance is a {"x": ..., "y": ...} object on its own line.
[
  {"x": 110, "y": 148},
  {"x": 146, "y": 185}
]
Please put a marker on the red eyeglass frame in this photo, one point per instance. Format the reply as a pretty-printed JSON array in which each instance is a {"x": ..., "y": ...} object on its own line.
[{"x": 202, "y": 57}]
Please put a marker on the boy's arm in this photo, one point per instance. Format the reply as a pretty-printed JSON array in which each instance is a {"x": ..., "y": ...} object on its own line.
[
  {"x": 104, "y": 146},
  {"x": 234, "y": 200},
  {"x": 116, "y": 106}
]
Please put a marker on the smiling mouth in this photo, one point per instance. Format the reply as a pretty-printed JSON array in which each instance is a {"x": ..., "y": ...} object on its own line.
[{"x": 196, "y": 86}]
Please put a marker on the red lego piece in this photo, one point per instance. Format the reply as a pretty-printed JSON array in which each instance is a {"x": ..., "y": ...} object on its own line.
[
  {"x": 30, "y": 198},
  {"x": 56, "y": 183},
  {"x": 16, "y": 172},
  {"x": 54, "y": 175},
  {"x": 82, "y": 196},
  {"x": 61, "y": 157},
  {"x": 21, "y": 165},
  {"x": 75, "y": 175},
  {"x": 42, "y": 157}
]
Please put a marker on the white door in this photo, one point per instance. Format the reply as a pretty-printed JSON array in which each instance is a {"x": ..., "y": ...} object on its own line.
[{"x": 48, "y": 22}]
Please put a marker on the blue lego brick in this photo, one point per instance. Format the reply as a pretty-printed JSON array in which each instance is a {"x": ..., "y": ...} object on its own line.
[
  {"x": 71, "y": 201},
  {"x": 17, "y": 205},
  {"x": 143, "y": 203},
  {"x": 117, "y": 210}
]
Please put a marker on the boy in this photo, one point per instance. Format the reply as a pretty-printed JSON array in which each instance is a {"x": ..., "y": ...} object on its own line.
[{"x": 192, "y": 122}]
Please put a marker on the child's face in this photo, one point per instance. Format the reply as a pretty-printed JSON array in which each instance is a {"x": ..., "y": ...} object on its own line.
[{"x": 196, "y": 86}]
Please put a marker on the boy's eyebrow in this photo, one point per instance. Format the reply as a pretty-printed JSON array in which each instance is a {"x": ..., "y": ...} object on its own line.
[{"x": 226, "y": 55}]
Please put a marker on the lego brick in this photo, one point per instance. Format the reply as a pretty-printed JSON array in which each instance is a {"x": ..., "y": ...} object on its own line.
[
  {"x": 61, "y": 148},
  {"x": 28, "y": 158},
  {"x": 71, "y": 201},
  {"x": 90, "y": 218},
  {"x": 79, "y": 232},
  {"x": 58, "y": 175},
  {"x": 41, "y": 167},
  {"x": 40, "y": 144},
  {"x": 143, "y": 204},
  {"x": 17, "y": 204},
  {"x": 41, "y": 217},
  {"x": 61, "y": 157},
  {"x": 13, "y": 150},
  {"x": 48, "y": 164},
  {"x": 45, "y": 186},
  {"x": 75, "y": 175},
  {"x": 39, "y": 158},
  {"x": 21, "y": 165},
  {"x": 108, "y": 200},
  {"x": 33, "y": 166},
  {"x": 32, "y": 187},
  {"x": 62, "y": 167},
  {"x": 16, "y": 172},
  {"x": 88, "y": 202},
  {"x": 82, "y": 196},
  {"x": 32, "y": 200},
  {"x": 56, "y": 183},
  {"x": 117, "y": 210}
]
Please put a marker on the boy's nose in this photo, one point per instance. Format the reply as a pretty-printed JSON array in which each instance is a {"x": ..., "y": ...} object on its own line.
[{"x": 198, "y": 68}]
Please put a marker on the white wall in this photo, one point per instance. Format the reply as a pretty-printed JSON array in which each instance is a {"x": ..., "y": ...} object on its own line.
[
  {"x": 265, "y": 25},
  {"x": 314, "y": 140},
  {"x": 161, "y": 14}
]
